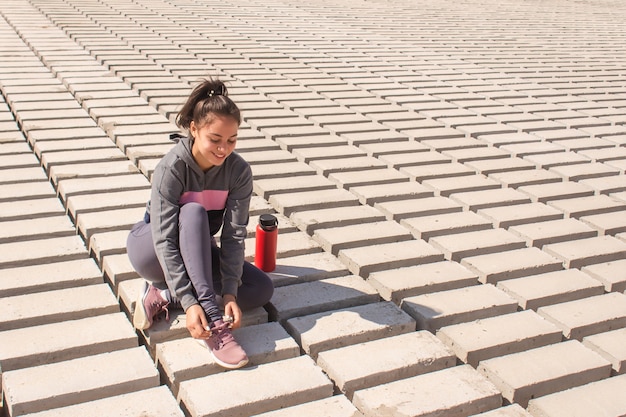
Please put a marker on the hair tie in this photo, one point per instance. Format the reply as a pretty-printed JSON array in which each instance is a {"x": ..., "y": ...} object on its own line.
[{"x": 219, "y": 92}]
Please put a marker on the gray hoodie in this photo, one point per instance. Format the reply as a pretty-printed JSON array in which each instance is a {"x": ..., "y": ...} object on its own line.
[{"x": 225, "y": 193}]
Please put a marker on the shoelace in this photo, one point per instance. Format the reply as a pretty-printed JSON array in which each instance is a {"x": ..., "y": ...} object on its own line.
[
  {"x": 222, "y": 334},
  {"x": 161, "y": 306}
]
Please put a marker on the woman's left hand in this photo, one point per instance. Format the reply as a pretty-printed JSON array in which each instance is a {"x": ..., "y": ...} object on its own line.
[{"x": 231, "y": 308}]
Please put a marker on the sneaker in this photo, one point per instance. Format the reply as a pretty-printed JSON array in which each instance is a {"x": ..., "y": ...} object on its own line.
[
  {"x": 224, "y": 348},
  {"x": 149, "y": 305}
]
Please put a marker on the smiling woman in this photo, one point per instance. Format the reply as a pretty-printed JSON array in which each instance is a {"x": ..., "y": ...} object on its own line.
[{"x": 199, "y": 188}]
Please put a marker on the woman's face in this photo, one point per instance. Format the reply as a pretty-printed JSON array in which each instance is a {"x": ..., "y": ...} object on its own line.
[{"x": 213, "y": 141}]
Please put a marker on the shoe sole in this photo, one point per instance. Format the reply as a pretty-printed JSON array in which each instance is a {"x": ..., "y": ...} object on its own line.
[
  {"x": 218, "y": 361},
  {"x": 140, "y": 318}
]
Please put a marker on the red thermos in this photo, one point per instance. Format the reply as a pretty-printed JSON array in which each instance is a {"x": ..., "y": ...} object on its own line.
[{"x": 266, "y": 239}]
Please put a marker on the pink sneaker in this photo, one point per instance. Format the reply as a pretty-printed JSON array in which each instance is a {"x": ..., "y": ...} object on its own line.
[
  {"x": 149, "y": 305},
  {"x": 224, "y": 348}
]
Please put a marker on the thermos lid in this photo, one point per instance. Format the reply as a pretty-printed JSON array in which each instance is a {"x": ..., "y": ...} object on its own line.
[{"x": 268, "y": 220}]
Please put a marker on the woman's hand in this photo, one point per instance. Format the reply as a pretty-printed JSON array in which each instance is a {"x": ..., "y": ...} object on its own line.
[
  {"x": 232, "y": 309},
  {"x": 197, "y": 323}
]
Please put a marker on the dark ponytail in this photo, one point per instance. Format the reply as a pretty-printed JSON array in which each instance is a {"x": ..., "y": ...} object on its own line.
[{"x": 208, "y": 99}]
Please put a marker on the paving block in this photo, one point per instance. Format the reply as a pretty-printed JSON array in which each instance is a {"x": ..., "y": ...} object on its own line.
[
  {"x": 577, "y": 172},
  {"x": 114, "y": 183},
  {"x": 319, "y": 332},
  {"x": 288, "y": 244},
  {"x": 583, "y": 252},
  {"x": 397, "y": 284},
  {"x": 444, "y": 169},
  {"x": 80, "y": 204},
  {"x": 544, "y": 370},
  {"x": 79, "y": 380},
  {"x": 48, "y": 277},
  {"x": 456, "y": 391},
  {"x": 447, "y": 186},
  {"x": 402, "y": 160},
  {"x": 588, "y": 206},
  {"x": 556, "y": 191},
  {"x": 607, "y": 223},
  {"x": 425, "y": 206},
  {"x": 507, "y": 216},
  {"x": 108, "y": 221},
  {"x": 345, "y": 237},
  {"x": 287, "y": 204},
  {"x": 65, "y": 340},
  {"x": 584, "y": 317},
  {"x": 494, "y": 267},
  {"x": 326, "y": 167},
  {"x": 184, "y": 359},
  {"x": 266, "y": 171},
  {"x": 30, "y": 209},
  {"x": 553, "y": 231},
  {"x": 550, "y": 288},
  {"x": 305, "y": 268},
  {"x": 108, "y": 243},
  {"x": 91, "y": 169},
  {"x": 445, "y": 224},
  {"x": 153, "y": 402},
  {"x": 330, "y": 294},
  {"x": 381, "y": 361},
  {"x": 335, "y": 406},
  {"x": 476, "y": 200},
  {"x": 475, "y": 154},
  {"x": 583, "y": 401},
  {"x": 498, "y": 336},
  {"x": 351, "y": 179},
  {"x": 293, "y": 184},
  {"x": 606, "y": 185},
  {"x": 117, "y": 268},
  {"x": 462, "y": 245},
  {"x": 493, "y": 166},
  {"x": 372, "y": 194},
  {"x": 57, "y": 305},
  {"x": 516, "y": 179},
  {"x": 611, "y": 274},
  {"x": 513, "y": 410},
  {"x": 365, "y": 260},
  {"x": 445, "y": 308},
  {"x": 611, "y": 346},
  {"x": 26, "y": 191},
  {"x": 284, "y": 383},
  {"x": 309, "y": 221}
]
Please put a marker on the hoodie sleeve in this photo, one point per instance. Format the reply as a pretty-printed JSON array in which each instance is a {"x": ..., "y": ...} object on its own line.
[
  {"x": 234, "y": 231},
  {"x": 167, "y": 186}
]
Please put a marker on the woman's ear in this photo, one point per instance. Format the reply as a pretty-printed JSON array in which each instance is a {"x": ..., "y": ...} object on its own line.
[{"x": 193, "y": 129}]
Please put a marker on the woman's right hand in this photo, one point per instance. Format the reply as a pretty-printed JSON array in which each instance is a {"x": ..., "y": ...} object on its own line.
[{"x": 197, "y": 323}]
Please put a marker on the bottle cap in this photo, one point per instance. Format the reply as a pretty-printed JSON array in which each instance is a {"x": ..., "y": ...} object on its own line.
[{"x": 268, "y": 221}]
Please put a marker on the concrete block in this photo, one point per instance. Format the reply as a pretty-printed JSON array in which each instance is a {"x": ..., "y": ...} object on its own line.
[
  {"x": 293, "y": 184},
  {"x": 556, "y": 191},
  {"x": 611, "y": 274},
  {"x": 443, "y": 169},
  {"x": 544, "y": 370},
  {"x": 606, "y": 185},
  {"x": 516, "y": 179},
  {"x": 91, "y": 169},
  {"x": 397, "y": 284},
  {"x": 455, "y": 391},
  {"x": 583, "y": 252},
  {"x": 611, "y": 346},
  {"x": 284, "y": 383},
  {"x": 80, "y": 204},
  {"x": 475, "y": 154},
  {"x": 524, "y": 149},
  {"x": 48, "y": 277},
  {"x": 498, "y": 336},
  {"x": 493, "y": 166},
  {"x": 418, "y": 207},
  {"x": 312, "y": 200},
  {"x": 108, "y": 221},
  {"x": 267, "y": 171},
  {"x": 553, "y": 231},
  {"x": 50, "y": 159},
  {"x": 326, "y": 167},
  {"x": 445, "y": 308},
  {"x": 334, "y": 329},
  {"x": 305, "y": 268},
  {"x": 507, "y": 216},
  {"x": 513, "y": 410},
  {"x": 351, "y": 179},
  {"x": 580, "y": 318},
  {"x": 588, "y": 206},
  {"x": 462, "y": 245},
  {"x": 447, "y": 186},
  {"x": 184, "y": 359},
  {"x": 582, "y": 401},
  {"x": 577, "y": 172},
  {"x": 495, "y": 267},
  {"x": 345, "y": 237},
  {"x": 607, "y": 223},
  {"x": 396, "y": 147},
  {"x": 25, "y": 191},
  {"x": 79, "y": 380},
  {"x": 153, "y": 402},
  {"x": 117, "y": 268},
  {"x": 330, "y": 294},
  {"x": 365, "y": 260},
  {"x": 30, "y": 209},
  {"x": 309, "y": 221},
  {"x": 288, "y": 244},
  {"x": 114, "y": 183},
  {"x": 381, "y": 361},
  {"x": 550, "y": 288},
  {"x": 108, "y": 243},
  {"x": 335, "y": 406},
  {"x": 402, "y": 160},
  {"x": 57, "y": 305},
  {"x": 65, "y": 340},
  {"x": 372, "y": 194},
  {"x": 427, "y": 227},
  {"x": 476, "y": 200}
]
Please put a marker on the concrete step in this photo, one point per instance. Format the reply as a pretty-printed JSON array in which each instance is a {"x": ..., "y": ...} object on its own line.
[
  {"x": 284, "y": 383},
  {"x": 487, "y": 338},
  {"x": 79, "y": 380},
  {"x": 592, "y": 315},
  {"x": 436, "y": 310},
  {"x": 388, "y": 359},
  {"x": 184, "y": 359},
  {"x": 537, "y": 372},
  {"x": 459, "y": 390},
  {"x": 153, "y": 402},
  {"x": 585, "y": 400},
  {"x": 611, "y": 346},
  {"x": 334, "y": 329}
]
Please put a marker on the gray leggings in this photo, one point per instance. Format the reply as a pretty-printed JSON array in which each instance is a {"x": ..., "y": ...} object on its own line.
[{"x": 202, "y": 262}]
